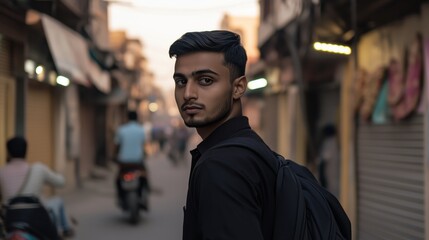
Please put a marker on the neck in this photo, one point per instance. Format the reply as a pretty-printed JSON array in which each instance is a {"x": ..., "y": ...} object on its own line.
[
  {"x": 236, "y": 111},
  {"x": 204, "y": 132}
]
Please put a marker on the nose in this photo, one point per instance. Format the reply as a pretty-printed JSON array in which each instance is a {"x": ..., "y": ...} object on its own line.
[{"x": 190, "y": 91}]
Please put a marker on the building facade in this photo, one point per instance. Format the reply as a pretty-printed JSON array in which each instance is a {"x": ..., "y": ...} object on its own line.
[
  {"x": 46, "y": 71},
  {"x": 374, "y": 98}
]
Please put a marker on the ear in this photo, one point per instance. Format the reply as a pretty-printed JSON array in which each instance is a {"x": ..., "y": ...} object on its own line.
[{"x": 240, "y": 86}]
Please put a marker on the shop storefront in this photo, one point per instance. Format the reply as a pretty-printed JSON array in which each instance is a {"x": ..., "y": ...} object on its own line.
[
  {"x": 383, "y": 160},
  {"x": 390, "y": 182},
  {"x": 281, "y": 118},
  {"x": 41, "y": 120},
  {"x": 67, "y": 123},
  {"x": 390, "y": 131},
  {"x": 88, "y": 143},
  {"x": 40, "y": 123},
  {"x": 12, "y": 44},
  {"x": 7, "y": 95}
]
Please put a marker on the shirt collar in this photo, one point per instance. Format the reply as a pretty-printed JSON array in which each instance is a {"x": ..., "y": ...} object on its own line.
[{"x": 224, "y": 131}]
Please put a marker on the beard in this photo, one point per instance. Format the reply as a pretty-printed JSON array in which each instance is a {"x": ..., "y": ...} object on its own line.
[{"x": 221, "y": 114}]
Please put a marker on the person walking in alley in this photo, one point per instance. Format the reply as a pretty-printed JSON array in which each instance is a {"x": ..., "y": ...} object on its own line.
[
  {"x": 130, "y": 154},
  {"x": 178, "y": 142},
  {"x": 19, "y": 177},
  {"x": 231, "y": 189}
]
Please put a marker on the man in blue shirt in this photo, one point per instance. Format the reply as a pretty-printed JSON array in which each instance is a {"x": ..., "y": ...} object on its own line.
[{"x": 130, "y": 140}]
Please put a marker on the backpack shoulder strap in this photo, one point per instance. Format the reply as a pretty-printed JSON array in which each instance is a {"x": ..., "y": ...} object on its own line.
[
  {"x": 258, "y": 147},
  {"x": 288, "y": 190},
  {"x": 24, "y": 184}
]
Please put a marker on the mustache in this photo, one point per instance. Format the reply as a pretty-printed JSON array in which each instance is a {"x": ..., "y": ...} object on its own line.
[{"x": 187, "y": 105}]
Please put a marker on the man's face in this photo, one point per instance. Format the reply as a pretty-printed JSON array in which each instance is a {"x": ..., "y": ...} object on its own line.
[{"x": 203, "y": 89}]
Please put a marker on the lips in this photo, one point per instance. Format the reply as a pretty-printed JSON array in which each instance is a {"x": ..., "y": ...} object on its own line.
[{"x": 191, "y": 108}]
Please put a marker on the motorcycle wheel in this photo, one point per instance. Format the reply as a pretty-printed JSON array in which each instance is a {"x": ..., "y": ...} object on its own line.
[
  {"x": 133, "y": 207},
  {"x": 144, "y": 202}
]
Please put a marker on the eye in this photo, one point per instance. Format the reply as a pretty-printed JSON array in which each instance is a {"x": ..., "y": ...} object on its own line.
[
  {"x": 180, "y": 82},
  {"x": 205, "y": 81}
]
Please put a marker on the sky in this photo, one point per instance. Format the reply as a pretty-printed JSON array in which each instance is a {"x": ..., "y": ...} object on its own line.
[{"x": 159, "y": 23}]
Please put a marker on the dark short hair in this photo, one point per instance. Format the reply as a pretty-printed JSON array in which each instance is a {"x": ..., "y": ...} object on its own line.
[
  {"x": 220, "y": 41},
  {"x": 132, "y": 115},
  {"x": 17, "y": 147}
]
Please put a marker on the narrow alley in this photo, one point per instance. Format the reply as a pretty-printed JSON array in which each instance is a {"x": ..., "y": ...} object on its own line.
[{"x": 98, "y": 217}]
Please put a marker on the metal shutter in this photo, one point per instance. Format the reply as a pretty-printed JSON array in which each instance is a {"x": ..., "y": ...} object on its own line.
[
  {"x": 5, "y": 72},
  {"x": 39, "y": 124},
  {"x": 391, "y": 180}
]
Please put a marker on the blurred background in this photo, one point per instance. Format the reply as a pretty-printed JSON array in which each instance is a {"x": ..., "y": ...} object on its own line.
[{"x": 337, "y": 85}]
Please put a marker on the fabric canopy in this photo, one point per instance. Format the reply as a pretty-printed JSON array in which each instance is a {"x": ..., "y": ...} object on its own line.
[{"x": 71, "y": 56}]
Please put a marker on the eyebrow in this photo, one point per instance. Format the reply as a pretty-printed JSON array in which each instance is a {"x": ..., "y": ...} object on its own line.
[
  {"x": 203, "y": 71},
  {"x": 194, "y": 73},
  {"x": 178, "y": 75}
]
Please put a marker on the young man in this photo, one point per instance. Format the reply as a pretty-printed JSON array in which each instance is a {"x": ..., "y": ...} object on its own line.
[{"x": 231, "y": 189}]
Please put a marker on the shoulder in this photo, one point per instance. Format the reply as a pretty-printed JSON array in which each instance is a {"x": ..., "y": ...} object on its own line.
[
  {"x": 40, "y": 166},
  {"x": 231, "y": 154},
  {"x": 240, "y": 149},
  {"x": 133, "y": 126},
  {"x": 232, "y": 161},
  {"x": 140, "y": 129},
  {"x": 123, "y": 126}
]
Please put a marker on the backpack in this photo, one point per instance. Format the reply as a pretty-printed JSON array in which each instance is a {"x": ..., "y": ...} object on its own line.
[{"x": 304, "y": 209}]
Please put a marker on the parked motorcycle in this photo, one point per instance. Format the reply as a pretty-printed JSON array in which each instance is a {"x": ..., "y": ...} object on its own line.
[{"x": 134, "y": 196}]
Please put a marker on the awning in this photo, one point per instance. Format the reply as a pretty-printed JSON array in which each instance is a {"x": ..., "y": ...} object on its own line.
[
  {"x": 68, "y": 49},
  {"x": 100, "y": 79},
  {"x": 115, "y": 97},
  {"x": 71, "y": 55}
]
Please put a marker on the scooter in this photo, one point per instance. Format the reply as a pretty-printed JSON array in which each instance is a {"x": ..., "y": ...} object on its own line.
[
  {"x": 26, "y": 218},
  {"x": 23, "y": 233},
  {"x": 134, "y": 193}
]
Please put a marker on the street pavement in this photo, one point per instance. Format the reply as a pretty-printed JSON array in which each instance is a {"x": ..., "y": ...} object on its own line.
[{"x": 98, "y": 217}]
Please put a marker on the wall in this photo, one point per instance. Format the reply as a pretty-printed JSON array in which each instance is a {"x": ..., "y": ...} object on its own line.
[
  {"x": 87, "y": 139},
  {"x": 378, "y": 47}
]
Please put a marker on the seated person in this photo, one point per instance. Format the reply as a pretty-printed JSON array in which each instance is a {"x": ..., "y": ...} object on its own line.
[{"x": 18, "y": 177}]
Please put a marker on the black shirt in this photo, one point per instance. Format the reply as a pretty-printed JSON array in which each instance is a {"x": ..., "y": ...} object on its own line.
[{"x": 231, "y": 189}]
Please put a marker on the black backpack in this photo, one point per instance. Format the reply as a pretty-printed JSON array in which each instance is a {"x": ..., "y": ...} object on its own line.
[{"x": 304, "y": 209}]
